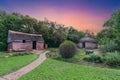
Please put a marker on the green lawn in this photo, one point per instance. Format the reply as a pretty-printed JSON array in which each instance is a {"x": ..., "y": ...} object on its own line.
[
  {"x": 11, "y": 64},
  {"x": 58, "y": 70}
]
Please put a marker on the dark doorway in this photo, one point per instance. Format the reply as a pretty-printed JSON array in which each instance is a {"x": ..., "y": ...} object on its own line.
[
  {"x": 83, "y": 44},
  {"x": 34, "y": 44},
  {"x": 23, "y": 41}
]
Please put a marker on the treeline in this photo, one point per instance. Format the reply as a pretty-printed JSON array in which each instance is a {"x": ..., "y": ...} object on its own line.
[
  {"x": 109, "y": 37},
  {"x": 54, "y": 34}
]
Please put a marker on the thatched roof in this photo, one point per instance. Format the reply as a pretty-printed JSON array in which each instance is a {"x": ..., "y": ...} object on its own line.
[
  {"x": 88, "y": 39},
  {"x": 19, "y": 36}
]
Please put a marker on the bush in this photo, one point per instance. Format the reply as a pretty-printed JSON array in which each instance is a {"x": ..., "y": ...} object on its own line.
[
  {"x": 12, "y": 54},
  {"x": 3, "y": 46},
  {"x": 67, "y": 49},
  {"x": 53, "y": 55},
  {"x": 94, "y": 58},
  {"x": 53, "y": 49},
  {"x": 108, "y": 45},
  {"x": 20, "y": 53},
  {"x": 112, "y": 59}
]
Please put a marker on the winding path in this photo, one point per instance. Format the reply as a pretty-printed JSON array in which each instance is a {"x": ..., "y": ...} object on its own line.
[{"x": 26, "y": 69}]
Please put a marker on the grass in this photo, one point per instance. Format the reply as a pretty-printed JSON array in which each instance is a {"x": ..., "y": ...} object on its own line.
[
  {"x": 77, "y": 58},
  {"x": 11, "y": 64},
  {"x": 3, "y": 54},
  {"x": 58, "y": 70}
]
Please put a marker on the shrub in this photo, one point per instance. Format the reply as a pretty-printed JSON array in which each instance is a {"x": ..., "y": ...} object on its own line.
[
  {"x": 53, "y": 49},
  {"x": 108, "y": 45},
  {"x": 53, "y": 55},
  {"x": 94, "y": 58},
  {"x": 12, "y": 54},
  {"x": 67, "y": 49},
  {"x": 112, "y": 59},
  {"x": 20, "y": 53},
  {"x": 2, "y": 46}
]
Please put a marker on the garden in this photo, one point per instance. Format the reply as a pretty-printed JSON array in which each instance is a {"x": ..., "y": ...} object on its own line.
[
  {"x": 59, "y": 70},
  {"x": 10, "y": 62},
  {"x": 76, "y": 65},
  {"x": 65, "y": 60}
]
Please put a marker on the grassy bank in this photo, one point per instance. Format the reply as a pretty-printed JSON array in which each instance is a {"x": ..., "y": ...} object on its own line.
[
  {"x": 58, "y": 70},
  {"x": 11, "y": 64}
]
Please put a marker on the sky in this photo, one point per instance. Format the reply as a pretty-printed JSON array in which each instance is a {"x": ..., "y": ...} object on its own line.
[{"x": 81, "y": 14}]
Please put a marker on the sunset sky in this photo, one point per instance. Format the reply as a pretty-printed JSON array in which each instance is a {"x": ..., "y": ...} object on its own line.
[{"x": 81, "y": 14}]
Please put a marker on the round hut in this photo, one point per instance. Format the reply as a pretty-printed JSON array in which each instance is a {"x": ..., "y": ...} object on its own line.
[{"x": 88, "y": 42}]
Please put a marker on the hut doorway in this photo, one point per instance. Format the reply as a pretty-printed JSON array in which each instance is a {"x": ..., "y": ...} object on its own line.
[
  {"x": 34, "y": 44},
  {"x": 83, "y": 45}
]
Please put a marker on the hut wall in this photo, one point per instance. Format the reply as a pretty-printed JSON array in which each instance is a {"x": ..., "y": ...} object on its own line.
[
  {"x": 90, "y": 45},
  {"x": 19, "y": 46},
  {"x": 9, "y": 46},
  {"x": 80, "y": 45},
  {"x": 40, "y": 45}
]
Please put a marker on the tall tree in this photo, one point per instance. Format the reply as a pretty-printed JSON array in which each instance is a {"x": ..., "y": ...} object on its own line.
[
  {"x": 112, "y": 31},
  {"x": 74, "y": 35}
]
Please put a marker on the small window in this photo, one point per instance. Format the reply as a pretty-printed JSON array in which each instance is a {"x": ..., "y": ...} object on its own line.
[{"x": 24, "y": 41}]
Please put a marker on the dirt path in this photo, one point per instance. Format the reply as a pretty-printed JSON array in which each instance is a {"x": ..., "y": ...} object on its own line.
[
  {"x": 2, "y": 78},
  {"x": 98, "y": 51},
  {"x": 26, "y": 69}
]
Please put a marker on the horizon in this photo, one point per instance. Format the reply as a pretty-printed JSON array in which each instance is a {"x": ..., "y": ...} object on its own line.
[{"x": 81, "y": 14}]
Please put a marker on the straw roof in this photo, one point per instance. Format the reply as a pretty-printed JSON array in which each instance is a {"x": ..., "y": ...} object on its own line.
[
  {"x": 87, "y": 39},
  {"x": 19, "y": 36}
]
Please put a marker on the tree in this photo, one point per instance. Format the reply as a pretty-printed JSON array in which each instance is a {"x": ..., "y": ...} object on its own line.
[
  {"x": 74, "y": 35},
  {"x": 54, "y": 34},
  {"x": 8, "y": 22},
  {"x": 112, "y": 30}
]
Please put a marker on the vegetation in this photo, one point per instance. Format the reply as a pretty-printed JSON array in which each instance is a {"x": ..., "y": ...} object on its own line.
[
  {"x": 10, "y": 64},
  {"x": 74, "y": 35},
  {"x": 11, "y": 54},
  {"x": 112, "y": 59},
  {"x": 53, "y": 53},
  {"x": 54, "y": 34},
  {"x": 94, "y": 58},
  {"x": 108, "y": 60},
  {"x": 58, "y": 70},
  {"x": 109, "y": 37},
  {"x": 67, "y": 49}
]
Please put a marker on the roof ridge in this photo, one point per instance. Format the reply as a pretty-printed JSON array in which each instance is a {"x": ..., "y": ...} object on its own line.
[{"x": 16, "y": 32}]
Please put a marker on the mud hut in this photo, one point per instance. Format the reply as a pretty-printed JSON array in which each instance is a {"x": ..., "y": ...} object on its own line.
[
  {"x": 18, "y": 41},
  {"x": 87, "y": 42}
]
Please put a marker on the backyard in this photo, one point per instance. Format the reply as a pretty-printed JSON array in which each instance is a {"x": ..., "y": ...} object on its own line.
[
  {"x": 59, "y": 70},
  {"x": 53, "y": 42},
  {"x": 10, "y": 64}
]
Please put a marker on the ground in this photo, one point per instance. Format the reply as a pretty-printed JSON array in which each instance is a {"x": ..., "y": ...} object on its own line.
[
  {"x": 11, "y": 64},
  {"x": 59, "y": 70}
]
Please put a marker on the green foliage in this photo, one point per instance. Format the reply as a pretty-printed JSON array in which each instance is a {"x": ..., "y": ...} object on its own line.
[
  {"x": 53, "y": 53},
  {"x": 74, "y": 35},
  {"x": 20, "y": 53},
  {"x": 94, "y": 58},
  {"x": 67, "y": 49},
  {"x": 108, "y": 45},
  {"x": 2, "y": 46},
  {"x": 54, "y": 34},
  {"x": 111, "y": 32},
  {"x": 12, "y": 54},
  {"x": 59, "y": 70},
  {"x": 11, "y": 64},
  {"x": 112, "y": 59}
]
